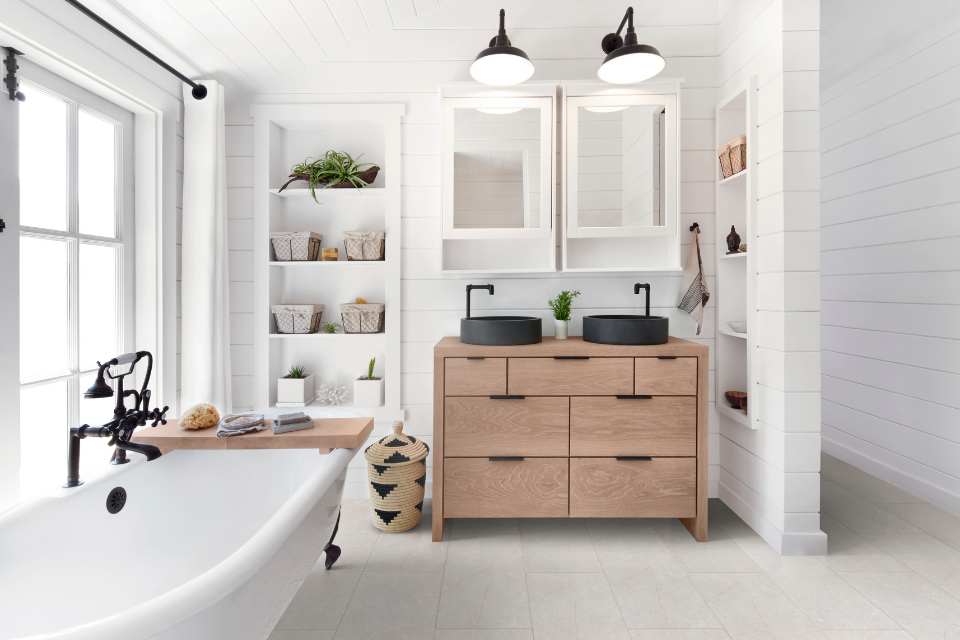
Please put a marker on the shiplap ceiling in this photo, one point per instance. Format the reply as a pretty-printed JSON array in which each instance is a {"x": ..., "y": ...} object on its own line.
[{"x": 302, "y": 45}]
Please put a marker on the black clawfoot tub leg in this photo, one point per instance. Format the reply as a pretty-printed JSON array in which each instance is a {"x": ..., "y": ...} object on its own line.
[{"x": 332, "y": 551}]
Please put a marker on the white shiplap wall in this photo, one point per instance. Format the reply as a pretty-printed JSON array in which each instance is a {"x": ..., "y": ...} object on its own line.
[
  {"x": 432, "y": 302},
  {"x": 891, "y": 268},
  {"x": 770, "y": 476}
]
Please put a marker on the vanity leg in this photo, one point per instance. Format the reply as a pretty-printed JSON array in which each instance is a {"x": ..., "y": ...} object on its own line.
[
  {"x": 697, "y": 527},
  {"x": 332, "y": 551}
]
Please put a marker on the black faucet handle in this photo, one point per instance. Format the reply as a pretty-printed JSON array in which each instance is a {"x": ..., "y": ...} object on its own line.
[{"x": 159, "y": 416}]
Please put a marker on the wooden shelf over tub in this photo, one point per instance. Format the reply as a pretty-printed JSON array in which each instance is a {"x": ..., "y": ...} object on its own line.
[{"x": 326, "y": 434}]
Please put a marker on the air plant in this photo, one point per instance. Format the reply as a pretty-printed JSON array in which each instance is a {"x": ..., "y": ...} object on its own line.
[
  {"x": 336, "y": 169},
  {"x": 329, "y": 327},
  {"x": 296, "y": 373}
]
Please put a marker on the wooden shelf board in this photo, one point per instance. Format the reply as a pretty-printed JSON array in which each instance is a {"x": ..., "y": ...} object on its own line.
[
  {"x": 326, "y": 336},
  {"x": 733, "y": 334},
  {"x": 734, "y": 414},
  {"x": 733, "y": 256},
  {"x": 326, "y": 433},
  {"x": 324, "y": 264},
  {"x": 327, "y": 193}
]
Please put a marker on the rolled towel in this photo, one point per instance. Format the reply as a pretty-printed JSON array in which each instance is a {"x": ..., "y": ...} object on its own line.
[{"x": 236, "y": 425}]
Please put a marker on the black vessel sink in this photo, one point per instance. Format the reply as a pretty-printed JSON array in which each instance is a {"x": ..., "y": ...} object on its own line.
[
  {"x": 625, "y": 329},
  {"x": 501, "y": 330}
]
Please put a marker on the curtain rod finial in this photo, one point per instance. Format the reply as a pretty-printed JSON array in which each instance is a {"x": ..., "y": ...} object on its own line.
[{"x": 199, "y": 92}]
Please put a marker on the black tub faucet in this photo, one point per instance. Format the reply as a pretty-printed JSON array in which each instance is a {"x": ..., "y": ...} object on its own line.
[
  {"x": 646, "y": 288},
  {"x": 125, "y": 420},
  {"x": 471, "y": 287}
]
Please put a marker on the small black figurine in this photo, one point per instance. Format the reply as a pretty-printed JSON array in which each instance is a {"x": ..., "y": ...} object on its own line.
[{"x": 733, "y": 241}]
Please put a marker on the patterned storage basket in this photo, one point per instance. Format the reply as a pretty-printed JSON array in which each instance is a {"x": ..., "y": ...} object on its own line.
[
  {"x": 362, "y": 318},
  {"x": 397, "y": 475},
  {"x": 297, "y": 318},
  {"x": 723, "y": 155},
  {"x": 299, "y": 245},
  {"x": 738, "y": 154},
  {"x": 364, "y": 245}
]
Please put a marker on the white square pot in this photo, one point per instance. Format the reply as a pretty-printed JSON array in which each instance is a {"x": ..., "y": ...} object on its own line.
[
  {"x": 367, "y": 393},
  {"x": 295, "y": 391}
]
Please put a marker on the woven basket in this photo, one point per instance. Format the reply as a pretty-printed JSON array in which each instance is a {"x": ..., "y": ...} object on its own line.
[
  {"x": 299, "y": 246},
  {"x": 364, "y": 245},
  {"x": 738, "y": 154},
  {"x": 723, "y": 155},
  {"x": 397, "y": 477},
  {"x": 297, "y": 318},
  {"x": 362, "y": 318}
]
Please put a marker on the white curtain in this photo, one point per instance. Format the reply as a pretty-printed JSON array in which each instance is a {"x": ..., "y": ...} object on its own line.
[{"x": 205, "y": 280}]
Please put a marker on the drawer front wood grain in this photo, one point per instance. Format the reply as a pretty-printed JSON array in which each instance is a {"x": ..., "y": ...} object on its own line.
[
  {"x": 655, "y": 426},
  {"x": 666, "y": 376},
  {"x": 506, "y": 427},
  {"x": 481, "y": 488},
  {"x": 570, "y": 377},
  {"x": 475, "y": 376},
  {"x": 607, "y": 487}
]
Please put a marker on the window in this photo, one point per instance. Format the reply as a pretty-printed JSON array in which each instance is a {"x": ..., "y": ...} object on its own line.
[{"x": 76, "y": 289}]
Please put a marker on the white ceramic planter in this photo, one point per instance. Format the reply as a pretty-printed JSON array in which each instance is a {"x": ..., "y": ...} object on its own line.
[
  {"x": 560, "y": 329},
  {"x": 295, "y": 391},
  {"x": 367, "y": 393}
]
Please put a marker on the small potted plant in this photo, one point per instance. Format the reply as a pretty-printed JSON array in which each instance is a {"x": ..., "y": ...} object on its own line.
[
  {"x": 561, "y": 312},
  {"x": 335, "y": 170},
  {"x": 296, "y": 389},
  {"x": 368, "y": 389}
]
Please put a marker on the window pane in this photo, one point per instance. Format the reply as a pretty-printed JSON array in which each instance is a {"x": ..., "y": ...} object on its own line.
[
  {"x": 43, "y": 161},
  {"x": 43, "y": 438},
  {"x": 44, "y": 338},
  {"x": 98, "y": 304},
  {"x": 96, "y": 188}
]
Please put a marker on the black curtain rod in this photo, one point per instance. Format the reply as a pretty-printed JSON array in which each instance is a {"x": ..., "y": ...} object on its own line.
[{"x": 199, "y": 91}]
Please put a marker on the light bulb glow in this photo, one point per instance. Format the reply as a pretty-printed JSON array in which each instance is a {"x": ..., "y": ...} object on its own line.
[
  {"x": 501, "y": 69},
  {"x": 614, "y": 109},
  {"x": 631, "y": 68},
  {"x": 498, "y": 111}
]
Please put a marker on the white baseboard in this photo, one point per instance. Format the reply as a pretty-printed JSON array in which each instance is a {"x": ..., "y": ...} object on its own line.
[
  {"x": 900, "y": 478},
  {"x": 787, "y": 544}
]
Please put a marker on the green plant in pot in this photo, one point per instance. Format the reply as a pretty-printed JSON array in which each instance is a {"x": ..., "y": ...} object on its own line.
[
  {"x": 335, "y": 170},
  {"x": 296, "y": 388},
  {"x": 561, "y": 306},
  {"x": 368, "y": 389}
]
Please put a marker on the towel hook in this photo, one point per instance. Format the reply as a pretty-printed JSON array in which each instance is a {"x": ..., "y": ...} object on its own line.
[{"x": 695, "y": 226}]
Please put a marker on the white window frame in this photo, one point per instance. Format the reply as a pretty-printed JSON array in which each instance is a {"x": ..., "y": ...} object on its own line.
[{"x": 77, "y": 98}]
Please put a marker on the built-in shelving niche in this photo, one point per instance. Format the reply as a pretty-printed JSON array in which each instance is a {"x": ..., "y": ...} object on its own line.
[
  {"x": 284, "y": 136},
  {"x": 736, "y": 273}
]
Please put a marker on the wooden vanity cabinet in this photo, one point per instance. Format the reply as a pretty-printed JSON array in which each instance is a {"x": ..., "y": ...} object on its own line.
[{"x": 567, "y": 428}]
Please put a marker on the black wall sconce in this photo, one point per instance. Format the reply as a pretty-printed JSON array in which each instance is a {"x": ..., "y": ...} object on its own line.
[{"x": 628, "y": 61}]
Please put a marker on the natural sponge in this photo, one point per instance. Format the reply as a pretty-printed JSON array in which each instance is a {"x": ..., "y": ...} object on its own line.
[{"x": 200, "y": 416}]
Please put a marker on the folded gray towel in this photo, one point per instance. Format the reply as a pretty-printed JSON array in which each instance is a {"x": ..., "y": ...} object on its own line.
[
  {"x": 290, "y": 418},
  {"x": 236, "y": 425}
]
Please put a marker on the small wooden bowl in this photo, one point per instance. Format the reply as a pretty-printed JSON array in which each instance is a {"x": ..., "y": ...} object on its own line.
[{"x": 737, "y": 399}]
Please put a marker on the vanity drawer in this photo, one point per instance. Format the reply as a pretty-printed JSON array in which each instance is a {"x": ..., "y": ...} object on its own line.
[
  {"x": 666, "y": 376},
  {"x": 633, "y": 426},
  {"x": 510, "y": 426},
  {"x": 525, "y": 488},
  {"x": 571, "y": 376},
  {"x": 475, "y": 376},
  {"x": 658, "y": 487}
]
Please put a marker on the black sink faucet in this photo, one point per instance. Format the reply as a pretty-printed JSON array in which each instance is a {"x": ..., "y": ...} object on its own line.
[
  {"x": 125, "y": 420},
  {"x": 471, "y": 287},
  {"x": 646, "y": 288}
]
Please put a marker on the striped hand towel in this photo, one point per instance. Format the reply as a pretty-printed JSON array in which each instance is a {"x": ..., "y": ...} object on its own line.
[{"x": 696, "y": 294}]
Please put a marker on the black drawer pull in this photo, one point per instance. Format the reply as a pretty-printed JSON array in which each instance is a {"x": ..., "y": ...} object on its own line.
[
  {"x": 631, "y": 397},
  {"x": 666, "y": 357},
  {"x": 506, "y": 458},
  {"x": 634, "y": 458},
  {"x": 571, "y": 357},
  {"x": 507, "y": 397},
  {"x": 476, "y": 358}
]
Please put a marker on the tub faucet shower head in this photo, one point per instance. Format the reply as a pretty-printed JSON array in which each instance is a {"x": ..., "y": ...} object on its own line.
[{"x": 100, "y": 388}]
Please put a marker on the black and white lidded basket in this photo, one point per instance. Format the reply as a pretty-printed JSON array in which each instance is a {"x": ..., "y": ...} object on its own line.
[{"x": 397, "y": 477}]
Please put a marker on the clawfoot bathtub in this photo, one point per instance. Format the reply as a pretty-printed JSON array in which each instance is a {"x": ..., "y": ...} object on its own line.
[{"x": 207, "y": 545}]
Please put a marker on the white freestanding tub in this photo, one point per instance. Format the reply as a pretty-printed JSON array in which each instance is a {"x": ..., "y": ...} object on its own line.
[{"x": 209, "y": 545}]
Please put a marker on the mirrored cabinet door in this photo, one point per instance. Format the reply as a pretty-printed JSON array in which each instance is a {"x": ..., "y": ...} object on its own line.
[
  {"x": 497, "y": 167},
  {"x": 621, "y": 165}
]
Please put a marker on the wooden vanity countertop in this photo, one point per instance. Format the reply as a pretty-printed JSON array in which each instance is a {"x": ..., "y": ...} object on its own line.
[
  {"x": 451, "y": 347},
  {"x": 326, "y": 434}
]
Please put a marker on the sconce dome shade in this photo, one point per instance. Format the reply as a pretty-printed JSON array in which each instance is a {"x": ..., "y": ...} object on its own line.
[
  {"x": 501, "y": 66},
  {"x": 631, "y": 63}
]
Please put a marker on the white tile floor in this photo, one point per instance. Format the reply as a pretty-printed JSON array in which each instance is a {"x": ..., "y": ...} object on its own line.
[{"x": 893, "y": 573}]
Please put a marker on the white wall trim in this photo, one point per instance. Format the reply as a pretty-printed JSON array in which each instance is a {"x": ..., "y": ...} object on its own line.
[{"x": 908, "y": 482}]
